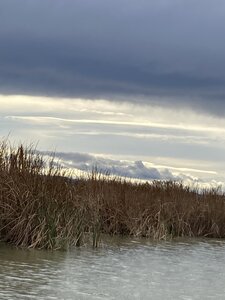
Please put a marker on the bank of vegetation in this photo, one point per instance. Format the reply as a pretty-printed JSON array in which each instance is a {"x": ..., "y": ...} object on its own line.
[{"x": 42, "y": 207}]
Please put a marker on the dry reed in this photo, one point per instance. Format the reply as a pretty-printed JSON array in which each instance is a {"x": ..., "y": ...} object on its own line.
[{"x": 41, "y": 207}]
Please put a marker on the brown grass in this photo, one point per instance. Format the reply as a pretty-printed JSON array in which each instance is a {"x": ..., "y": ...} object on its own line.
[{"x": 41, "y": 207}]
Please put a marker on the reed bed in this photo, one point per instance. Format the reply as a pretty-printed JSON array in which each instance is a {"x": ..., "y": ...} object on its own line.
[{"x": 42, "y": 207}]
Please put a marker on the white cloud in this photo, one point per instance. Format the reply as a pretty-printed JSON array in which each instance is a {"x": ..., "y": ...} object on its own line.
[
  {"x": 131, "y": 170},
  {"x": 53, "y": 110},
  {"x": 184, "y": 142}
]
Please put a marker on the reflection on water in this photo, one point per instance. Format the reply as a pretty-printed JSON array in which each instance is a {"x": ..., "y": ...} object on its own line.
[{"x": 192, "y": 269}]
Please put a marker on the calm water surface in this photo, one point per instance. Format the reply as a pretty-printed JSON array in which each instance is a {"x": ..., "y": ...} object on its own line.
[{"x": 128, "y": 269}]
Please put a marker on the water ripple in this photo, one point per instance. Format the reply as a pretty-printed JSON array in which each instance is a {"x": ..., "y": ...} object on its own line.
[{"x": 192, "y": 269}]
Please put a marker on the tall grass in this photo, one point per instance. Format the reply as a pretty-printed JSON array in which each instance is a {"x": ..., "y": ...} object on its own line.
[{"x": 42, "y": 207}]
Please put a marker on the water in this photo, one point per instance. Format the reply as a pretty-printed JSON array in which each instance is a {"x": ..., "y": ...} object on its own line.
[{"x": 127, "y": 269}]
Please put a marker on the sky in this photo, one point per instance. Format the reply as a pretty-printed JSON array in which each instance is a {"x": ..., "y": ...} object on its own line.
[{"x": 135, "y": 87}]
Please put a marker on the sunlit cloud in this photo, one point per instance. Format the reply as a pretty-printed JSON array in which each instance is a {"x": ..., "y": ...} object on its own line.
[
  {"x": 47, "y": 120},
  {"x": 131, "y": 170},
  {"x": 182, "y": 141}
]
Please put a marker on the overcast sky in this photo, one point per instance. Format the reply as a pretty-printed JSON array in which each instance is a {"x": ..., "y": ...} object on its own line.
[{"x": 127, "y": 80}]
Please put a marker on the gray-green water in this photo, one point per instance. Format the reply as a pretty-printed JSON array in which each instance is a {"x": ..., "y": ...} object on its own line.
[{"x": 123, "y": 270}]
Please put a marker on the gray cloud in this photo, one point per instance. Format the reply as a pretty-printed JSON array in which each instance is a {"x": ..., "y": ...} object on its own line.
[
  {"x": 128, "y": 169},
  {"x": 115, "y": 49},
  {"x": 137, "y": 170}
]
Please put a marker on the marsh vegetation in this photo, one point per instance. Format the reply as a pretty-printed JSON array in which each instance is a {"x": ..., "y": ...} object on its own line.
[{"x": 41, "y": 206}]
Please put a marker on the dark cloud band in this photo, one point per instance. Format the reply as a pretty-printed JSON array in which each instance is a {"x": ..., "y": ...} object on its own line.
[{"x": 115, "y": 50}]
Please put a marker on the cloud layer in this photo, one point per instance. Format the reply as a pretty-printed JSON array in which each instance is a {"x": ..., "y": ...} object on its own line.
[
  {"x": 129, "y": 169},
  {"x": 159, "y": 51},
  {"x": 147, "y": 142}
]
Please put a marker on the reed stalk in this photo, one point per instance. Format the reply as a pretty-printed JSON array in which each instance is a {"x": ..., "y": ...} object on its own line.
[{"x": 42, "y": 207}]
